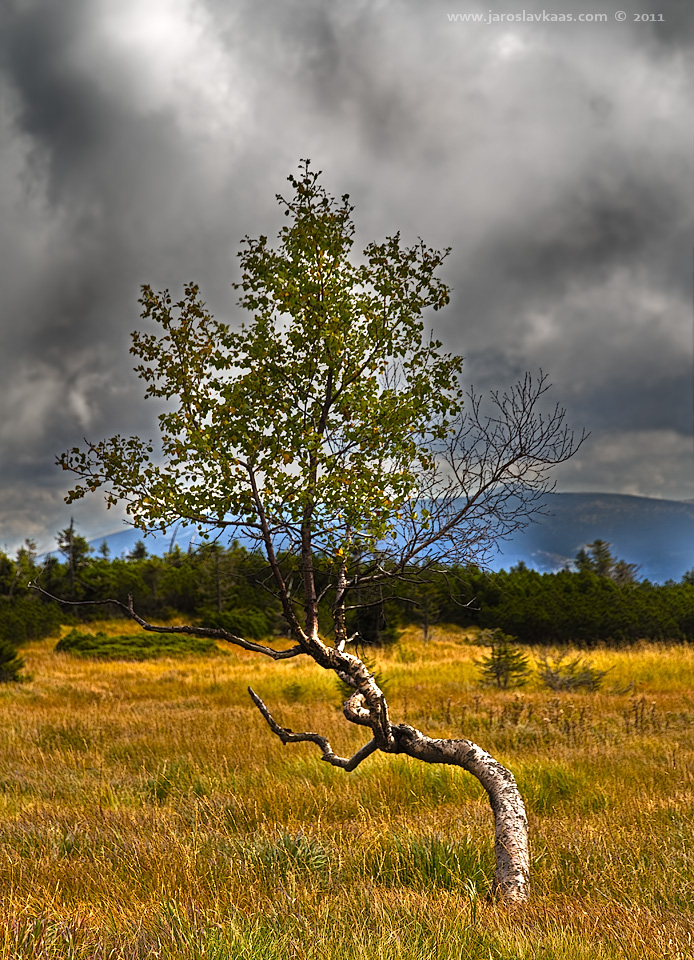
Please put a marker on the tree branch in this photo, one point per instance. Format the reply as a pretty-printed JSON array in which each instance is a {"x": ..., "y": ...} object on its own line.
[
  {"x": 213, "y": 633},
  {"x": 285, "y": 600},
  {"x": 288, "y": 736}
]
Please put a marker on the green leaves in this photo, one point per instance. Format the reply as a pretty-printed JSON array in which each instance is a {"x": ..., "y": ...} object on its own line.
[
  {"x": 329, "y": 424},
  {"x": 321, "y": 409}
]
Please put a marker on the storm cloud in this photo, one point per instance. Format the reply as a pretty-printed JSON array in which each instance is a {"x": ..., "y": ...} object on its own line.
[{"x": 141, "y": 142}]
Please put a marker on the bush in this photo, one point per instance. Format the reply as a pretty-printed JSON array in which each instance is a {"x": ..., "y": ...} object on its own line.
[
  {"x": 141, "y": 646},
  {"x": 11, "y": 665},
  {"x": 505, "y": 666},
  {"x": 563, "y": 674},
  {"x": 28, "y": 618},
  {"x": 251, "y": 623}
]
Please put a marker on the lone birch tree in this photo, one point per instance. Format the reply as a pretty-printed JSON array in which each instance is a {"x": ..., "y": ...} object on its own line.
[{"x": 333, "y": 432}]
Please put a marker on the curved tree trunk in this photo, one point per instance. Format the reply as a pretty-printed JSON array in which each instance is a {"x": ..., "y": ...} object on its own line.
[{"x": 512, "y": 876}]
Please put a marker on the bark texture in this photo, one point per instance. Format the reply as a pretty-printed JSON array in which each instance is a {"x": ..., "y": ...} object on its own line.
[{"x": 512, "y": 875}]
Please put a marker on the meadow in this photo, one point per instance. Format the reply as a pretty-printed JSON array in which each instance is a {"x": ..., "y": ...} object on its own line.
[{"x": 146, "y": 811}]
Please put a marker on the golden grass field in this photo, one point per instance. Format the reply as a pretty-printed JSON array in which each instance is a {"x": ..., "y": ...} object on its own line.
[{"x": 146, "y": 810}]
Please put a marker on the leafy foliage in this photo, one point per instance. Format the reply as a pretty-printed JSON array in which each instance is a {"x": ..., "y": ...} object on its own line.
[
  {"x": 28, "y": 618},
  {"x": 323, "y": 403},
  {"x": 558, "y": 609},
  {"x": 250, "y": 622},
  {"x": 581, "y": 608}
]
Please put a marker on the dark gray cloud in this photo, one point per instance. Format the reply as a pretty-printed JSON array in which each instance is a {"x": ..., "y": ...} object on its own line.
[{"x": 139, "y": 143}]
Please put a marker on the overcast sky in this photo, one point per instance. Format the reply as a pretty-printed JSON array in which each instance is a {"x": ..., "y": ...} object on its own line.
[{"x": 140, "y": 140}]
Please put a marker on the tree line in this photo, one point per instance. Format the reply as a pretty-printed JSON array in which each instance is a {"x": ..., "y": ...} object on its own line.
[{"x": 598, "y": 601}]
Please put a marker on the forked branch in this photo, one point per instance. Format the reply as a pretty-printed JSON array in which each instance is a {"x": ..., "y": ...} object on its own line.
[{"x": 288, "y": 736}]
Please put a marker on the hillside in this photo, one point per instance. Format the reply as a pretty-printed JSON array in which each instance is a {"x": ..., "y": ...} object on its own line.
[{"x": 656, "y": 534}]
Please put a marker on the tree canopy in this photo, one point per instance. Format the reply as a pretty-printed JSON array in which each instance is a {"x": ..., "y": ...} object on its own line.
[{"x": 331, "y": 424}]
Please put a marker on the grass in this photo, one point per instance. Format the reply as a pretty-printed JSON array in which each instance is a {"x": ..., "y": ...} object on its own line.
[{"x": 147, "y": 811}]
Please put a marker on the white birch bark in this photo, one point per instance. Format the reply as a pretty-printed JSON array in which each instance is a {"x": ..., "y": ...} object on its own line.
[{"x": 512, "y": 875}]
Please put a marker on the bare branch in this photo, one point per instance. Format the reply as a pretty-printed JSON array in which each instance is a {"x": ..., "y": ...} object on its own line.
[
  {"x": 355, "y": 709},
  {"x": 213, "y": 633},
  {"x": 288, "y": 736},
  {"x": 487, "y": 481},
  {"x": 382, "y": 600}
]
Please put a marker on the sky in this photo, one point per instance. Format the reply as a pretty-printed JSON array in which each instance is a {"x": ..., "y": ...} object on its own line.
[{"x": 141, "y": 141}]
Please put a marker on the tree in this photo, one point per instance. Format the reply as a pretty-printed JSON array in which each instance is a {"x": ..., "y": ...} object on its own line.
[
  {"x": 11, "y": 664},
  {"x": 597, "y": 558},
  {"x": 104, "y": 550},
  {"x": 25, "y": 566},
  {"x": 138, "y": 552},
  {"x": 505, "y": 666},
  {"x": 335, "y": 433},
  {"x": 76, "y": 551}
]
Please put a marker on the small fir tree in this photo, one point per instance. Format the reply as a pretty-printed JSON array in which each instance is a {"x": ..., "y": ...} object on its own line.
[
  {"x": 505, "y": 666},
  {"x": 11, "y": 665},
  {"x": 562, "y": 673}
]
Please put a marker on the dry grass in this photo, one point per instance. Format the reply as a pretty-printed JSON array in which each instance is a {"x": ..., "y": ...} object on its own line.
[{"x": 147, "y": 811}]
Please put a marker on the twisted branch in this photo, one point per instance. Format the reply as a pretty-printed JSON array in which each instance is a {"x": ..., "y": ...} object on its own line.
[{"x": 288, "y": 736}]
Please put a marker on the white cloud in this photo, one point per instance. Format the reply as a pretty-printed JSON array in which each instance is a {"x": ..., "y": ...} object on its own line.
[
  {"x": 643, "y": 463},
  {"x": 167, "y": 56}
]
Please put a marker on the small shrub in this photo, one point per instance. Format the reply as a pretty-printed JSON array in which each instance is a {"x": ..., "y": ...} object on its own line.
[
  {"x": 141, "y": 646},
  {"x": 505, "y": 666},
  {"x": 294, "y": 691},
  {"x": 11, "y": 665},
  {"x": 576, "y": 674}
]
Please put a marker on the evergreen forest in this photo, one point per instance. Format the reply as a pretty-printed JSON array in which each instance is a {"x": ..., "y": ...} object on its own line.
[{"x": 600, "y": 601}]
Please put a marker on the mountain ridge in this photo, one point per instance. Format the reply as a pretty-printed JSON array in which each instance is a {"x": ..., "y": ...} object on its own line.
[{"x": 656, "y": 534}]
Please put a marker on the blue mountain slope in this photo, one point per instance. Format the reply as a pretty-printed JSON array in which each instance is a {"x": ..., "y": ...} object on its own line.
[
  {"x": 656, "y": 534},
  {"x": 123, "y": 541}
]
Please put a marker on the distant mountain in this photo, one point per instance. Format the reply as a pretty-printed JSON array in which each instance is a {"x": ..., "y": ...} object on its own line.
[
  {"x": 123, "y": 541},
  {"x": 656, "y": 534}
]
